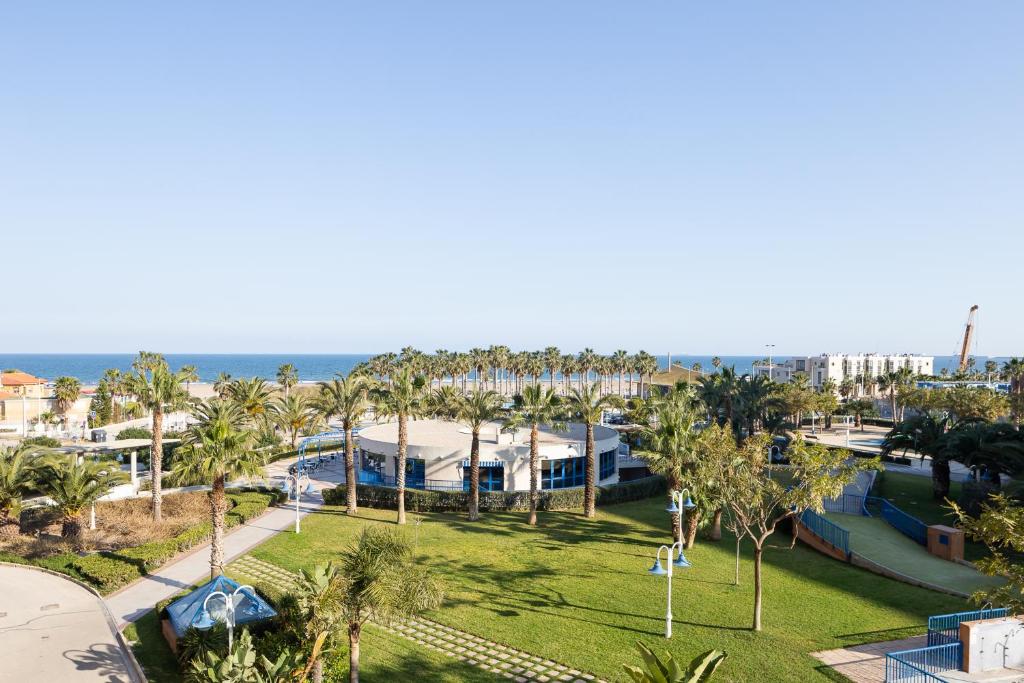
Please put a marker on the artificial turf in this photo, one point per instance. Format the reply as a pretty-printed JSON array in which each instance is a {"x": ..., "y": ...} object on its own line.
[{"x": 577, "y": 591}]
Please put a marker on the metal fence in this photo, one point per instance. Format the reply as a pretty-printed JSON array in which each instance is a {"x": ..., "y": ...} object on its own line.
[
  {"x": 831, "y": 533},
  {"x": 847, "y": 503},
  {"x": 945, "y": 628},
  {"x": 921, "y": 665},
  {"x": 377, "y": 479},
  {"x": 906, "y": 524}
]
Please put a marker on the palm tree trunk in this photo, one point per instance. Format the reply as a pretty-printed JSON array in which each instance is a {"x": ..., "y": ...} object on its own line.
[
  {"x": 10, "y": 524},
  {"x": 156, "y": 465},
  {"x": 534, "y": 449},
  {"x": 403, "y": 443},
  {"x": 71, "y": 528},
  {"x": 474, "y": 476},
  {"x": 218, "y": 506},
  {"x": 350, "y": 471},
  {"x": 588, "y": 491},
  {"x": 716, "y": 526},
  {"x": 940, "y": 478},
  {"x": 692, "y": 522},
  {"x": 353, "y": 652}
]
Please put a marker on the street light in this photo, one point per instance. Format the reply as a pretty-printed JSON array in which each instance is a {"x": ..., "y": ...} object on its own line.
[
  {"x": 229, "y": 608},
  {"x": 770, "y": 347},
  {"x": 681, "y": 508},
  {"x": 297, "y": 480},
  {"x": 658, "y": 570}
]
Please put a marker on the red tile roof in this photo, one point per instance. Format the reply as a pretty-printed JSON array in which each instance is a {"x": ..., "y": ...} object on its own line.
[{"x": 19, "y": 379}]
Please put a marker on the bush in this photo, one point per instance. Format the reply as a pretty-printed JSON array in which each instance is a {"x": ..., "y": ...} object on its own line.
[
  {"x": 42, "y": 441},
  {"x": 134, "y": 433},
  {"x": 107, "y": 571},
  {"x": 495, "y": 501},
  {"x": 151, "y": 555},
  {"x": 193, "y": 536},
  {"x": 243, "y": 512}
]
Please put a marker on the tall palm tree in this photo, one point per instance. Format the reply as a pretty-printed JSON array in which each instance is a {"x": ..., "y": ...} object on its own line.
[
  {"x": 191, "y": 374},
  {"x": 671, "y": 442},
  {"x": 158, "y": 389},
  {"x": 287, "y": 377},
  {"x": 18, "y": 467},
  {"x": 587, "y": 405},
  {"x": 475, "y": 410},
  {"x": 553, "y": 363},
  {"x": 569, "y": 366},
  {"x": 66, "y": 392},
  {"x": 587, "y": 358},
  {"x": 348, "y": 399},
  {"x": 478, "y": 357},
  {"x": 404, "y": 399},
  {"x": 222, "y": 385},
  {"x": 716, "y": 362},
  {"x": 252, "y": 396},
  {"x": 377, "y": 578},
  {"x": 294, "y": 414},
  {"x": 536, "y": 406},
  {"x": 217, "y": 448},
  {"x": 75, "y": 486}
]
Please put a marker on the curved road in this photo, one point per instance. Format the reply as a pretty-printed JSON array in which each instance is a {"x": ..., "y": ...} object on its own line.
[{"x": 52, "y": 629}]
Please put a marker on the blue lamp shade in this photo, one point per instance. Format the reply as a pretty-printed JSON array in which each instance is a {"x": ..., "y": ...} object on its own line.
[
  {"x": 681, "y": 561},
  {"x": 657, "y": 569},
  {"x": 689, "y": 504},
  {"x": 285, "y": 487},
  {"x": 672, "y": 509}
]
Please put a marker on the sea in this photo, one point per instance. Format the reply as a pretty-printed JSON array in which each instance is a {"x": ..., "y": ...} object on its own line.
[{"x": 89, "y": 367}]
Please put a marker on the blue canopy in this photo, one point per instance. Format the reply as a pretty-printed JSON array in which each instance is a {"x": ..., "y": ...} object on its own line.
[{"x": 188, "y": 611}]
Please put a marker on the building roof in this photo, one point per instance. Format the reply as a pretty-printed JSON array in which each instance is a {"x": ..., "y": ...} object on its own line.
[
  {"x": 455, "y": 435},
  {"x": 4, "y": 395},
  {"x": 188, "y": 611},
  {"x": 19, "y": 379}
]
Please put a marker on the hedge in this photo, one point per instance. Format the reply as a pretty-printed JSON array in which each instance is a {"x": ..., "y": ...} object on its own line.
[
  {"x": 495, "y": 501},
  {"x": 107, "y": 571}
]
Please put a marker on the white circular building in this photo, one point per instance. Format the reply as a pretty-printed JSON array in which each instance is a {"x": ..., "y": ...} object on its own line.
[{"x": 437, "y": 456}]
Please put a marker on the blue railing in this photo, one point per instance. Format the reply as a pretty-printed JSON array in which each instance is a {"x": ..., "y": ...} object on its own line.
[
  {"x": 828, "y": 531},
  {"x": 847, "y": 503},
  {"x": 921, "y": 665},
  {"x": 945, "y": 628},
  {"x": 377, "y": 479},
  {"x": 906, "y": 524}
]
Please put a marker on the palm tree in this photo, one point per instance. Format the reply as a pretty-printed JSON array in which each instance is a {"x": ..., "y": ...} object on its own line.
[
  {"x": 346, "y": 398},
  {"x": 378, "y": 579},
  {"x": 586, "y": 358},
  {"x": 716, "y": 362},
  {"x": 73, "y": 487},
  {"x": 252, "y": 396},
  {"x": 287, "y": 377},
  {"x": 404, "y": 399},
  {"x": 157, "y": 389},
  {"x": 442, "y": 403},
  {"x": 846, "y": 388},
  {"x": 569, "y": 366},
  {"x": 66, "y": 392},
  {"x": 293, "y": 414},
  {"x": 553, "y": 363},
  {"x": 191, "y": 374},
  {"x": 223, "y": 384},
  {"x": 217, "y": 448},
  {"x": 478, "y": 358},
  {"x": 671, "y": 442},
  {"x": 475, "y": 410},
  {"x": 587, "y": 405},
  {"x": 17, "y": 475},
  {"x": 536, "y": 406}
]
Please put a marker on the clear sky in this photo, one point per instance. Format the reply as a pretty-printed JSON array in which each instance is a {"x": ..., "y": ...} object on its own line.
[{"x": 353, "y": 177}]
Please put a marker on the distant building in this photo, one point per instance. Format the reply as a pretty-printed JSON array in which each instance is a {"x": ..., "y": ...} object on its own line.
[
  {"x": 841, "y": 366},
  {"x": 17, "y": 383}
]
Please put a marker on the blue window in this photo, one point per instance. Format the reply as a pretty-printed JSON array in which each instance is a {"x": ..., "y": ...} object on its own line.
[
  {"x": 415, "y": 473},
  {"x": 560, "y": 474},
  {"x": 492, "y": 478},
  {"x": 607, "y": 464}
]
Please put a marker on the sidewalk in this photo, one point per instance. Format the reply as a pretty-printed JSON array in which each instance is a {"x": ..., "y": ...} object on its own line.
[{"x": 133, "y": 601}]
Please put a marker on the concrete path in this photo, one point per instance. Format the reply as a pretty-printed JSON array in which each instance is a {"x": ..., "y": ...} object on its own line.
[
  {"x": 52, "y": 629},
  {"x": 133, "y": 601},
  {"x": 866, "y": 663}
]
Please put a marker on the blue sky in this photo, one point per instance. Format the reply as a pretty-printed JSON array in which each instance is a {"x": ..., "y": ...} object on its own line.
[{"x": 349, "y": 177}]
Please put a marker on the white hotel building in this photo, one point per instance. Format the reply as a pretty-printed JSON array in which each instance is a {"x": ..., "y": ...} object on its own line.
[{"x": 840, "y": 366}]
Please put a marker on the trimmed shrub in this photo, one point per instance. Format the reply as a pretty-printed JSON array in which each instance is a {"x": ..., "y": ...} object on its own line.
[
  {"x": 43, "y": 441},
  {"x": 243, "y": 512},
  {"x": 135, "y": 433},
  {"x": 193, "y": 536},
  {"x": 107, "y": 571},
  {"x": 496, "y": 501},
  {"x": 151, "y": 555}
]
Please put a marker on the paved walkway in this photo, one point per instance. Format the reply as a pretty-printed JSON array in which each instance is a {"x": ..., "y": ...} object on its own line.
[
  {"x": 465, "y": 647},
  {"x": 866, "y": 663},
  {"x": 52, "y": 629},
  {"x": 134, "y": 601}
]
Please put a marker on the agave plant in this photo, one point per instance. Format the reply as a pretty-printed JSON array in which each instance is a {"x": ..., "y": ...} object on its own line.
[{"x": 668, "y": 670}]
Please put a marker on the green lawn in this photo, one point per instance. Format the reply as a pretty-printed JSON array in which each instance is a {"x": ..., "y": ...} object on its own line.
[
  {"x": 576, "y": 590},
  {"x": 385, "y": 658}
]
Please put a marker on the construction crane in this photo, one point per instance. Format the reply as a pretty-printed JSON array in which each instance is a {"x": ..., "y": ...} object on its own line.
[{"x": 968, "y": 335}]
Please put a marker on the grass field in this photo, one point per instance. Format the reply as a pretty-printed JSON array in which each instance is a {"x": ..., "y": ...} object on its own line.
[{"x": 576, "y": 590}]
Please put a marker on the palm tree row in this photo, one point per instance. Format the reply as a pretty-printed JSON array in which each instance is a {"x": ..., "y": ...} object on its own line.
[{"x": 508, "y": 372}]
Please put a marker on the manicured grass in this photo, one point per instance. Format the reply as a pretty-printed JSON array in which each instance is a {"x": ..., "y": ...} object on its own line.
[
  {"x": 577, "y": 591},
  {"x": 384, "y": 658}
]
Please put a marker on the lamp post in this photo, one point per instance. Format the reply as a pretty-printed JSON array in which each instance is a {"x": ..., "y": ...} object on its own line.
[
  {"x": 229, "y": 608},
  {"x": 297, "y": 480},
  {"x": 680, "y": 509},
  {"x": 658, "y": 570},
  {"x": 770, "y": 347}
]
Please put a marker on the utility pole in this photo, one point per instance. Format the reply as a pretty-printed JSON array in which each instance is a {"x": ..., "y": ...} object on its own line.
[{"x": 770, "y": 347}]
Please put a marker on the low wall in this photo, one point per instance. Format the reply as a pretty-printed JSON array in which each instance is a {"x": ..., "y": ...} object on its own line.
[{"x": 818, "y": 543}]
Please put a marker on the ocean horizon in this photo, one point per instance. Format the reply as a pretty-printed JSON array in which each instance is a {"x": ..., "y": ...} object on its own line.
[{"x": 89, "y": 367}]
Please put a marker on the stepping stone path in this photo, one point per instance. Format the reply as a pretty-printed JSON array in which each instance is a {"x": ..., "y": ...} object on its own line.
[{"x": 500, "y": 660}]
